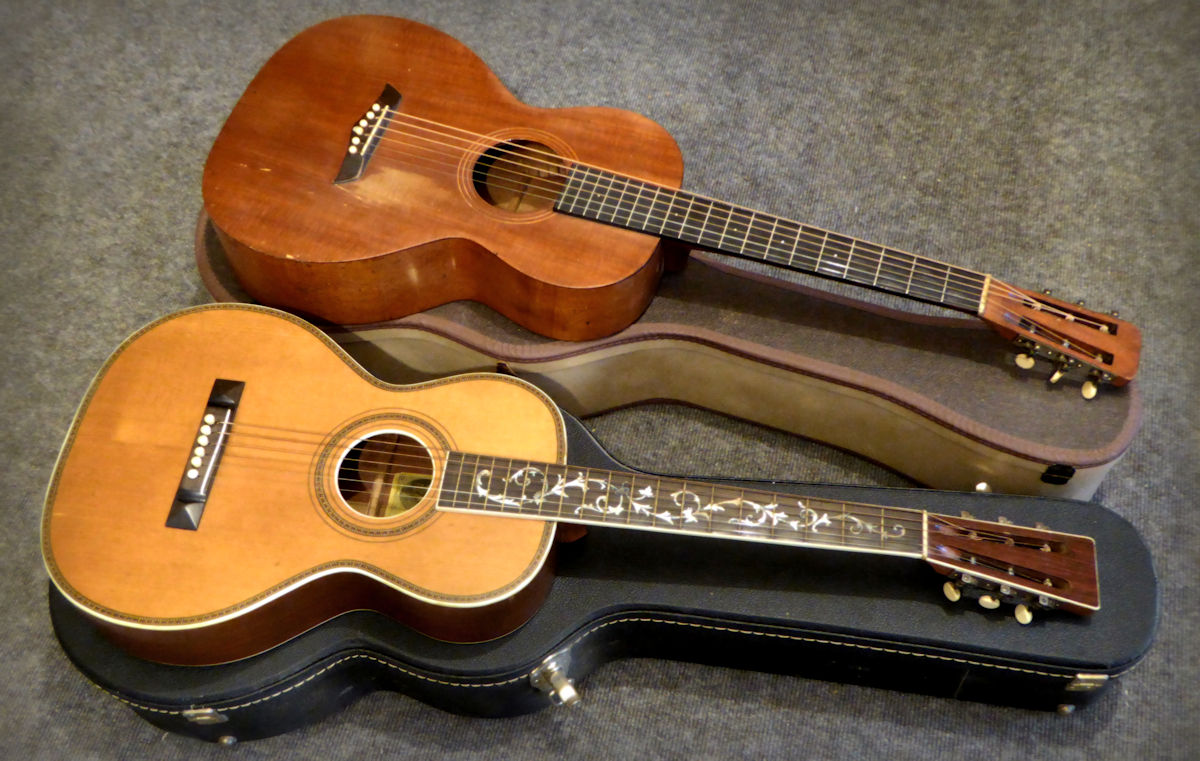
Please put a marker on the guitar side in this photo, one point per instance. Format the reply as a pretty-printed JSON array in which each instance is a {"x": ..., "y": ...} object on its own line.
[
  {"x": 405, "y": 237},
  {"x": 278, "y": 547}
]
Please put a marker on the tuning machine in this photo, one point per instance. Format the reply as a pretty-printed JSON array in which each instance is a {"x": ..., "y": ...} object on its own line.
[
  {"x": 993, "y": 596},
  {"x": 1028, "y": 352}
]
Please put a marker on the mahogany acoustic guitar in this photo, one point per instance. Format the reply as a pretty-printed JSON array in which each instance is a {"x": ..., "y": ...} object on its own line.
[
  {"x": 232, "y": 479},
  {"x": 375, "y": 168}
]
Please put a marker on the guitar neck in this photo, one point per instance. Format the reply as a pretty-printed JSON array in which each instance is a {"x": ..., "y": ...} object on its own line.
[
  {"x": 571, "y": 494},
  {"x": 622, "y": 201}
]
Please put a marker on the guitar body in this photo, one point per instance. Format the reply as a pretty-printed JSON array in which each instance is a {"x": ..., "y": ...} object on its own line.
[
  {"x": 414, "y": 230},
  {"x": 619, "y": 593},
  {"x": 282, "y": 542}
]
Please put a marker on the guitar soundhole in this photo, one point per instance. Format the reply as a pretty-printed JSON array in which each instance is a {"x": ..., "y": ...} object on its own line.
[
  {"x": 385, "y": 475},
  {"x": 519, "y": 176}
]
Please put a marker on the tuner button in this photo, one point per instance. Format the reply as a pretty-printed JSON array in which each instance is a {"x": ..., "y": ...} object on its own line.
[
  {"x": 1023, "y": 614},
  {"x": 989, "y": 602},
  {"x": 952, "y": 592},
  {"x": 1089, "y": 389},
  {"x": 983, "y": 487},
  {"x": 1058, "y": 373},
  {"x": 1024, "y": 361}
]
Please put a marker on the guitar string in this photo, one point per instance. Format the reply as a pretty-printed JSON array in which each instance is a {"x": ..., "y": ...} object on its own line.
[
  {"x": 935, "y": 277},
  {"x": 934, "y": 271},
  {"x": 419, "y": 455},
  {"x": 555, "y": 163},
  {"x": 873, "y": 520},
  {"x": 1001, "y": 291}
]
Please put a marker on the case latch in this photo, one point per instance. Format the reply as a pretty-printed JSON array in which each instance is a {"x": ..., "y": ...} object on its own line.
[
  {"x": 204, "y": 716},
  {"x": 1087, "y": 682},
  {"x": 551, "y": 678}
]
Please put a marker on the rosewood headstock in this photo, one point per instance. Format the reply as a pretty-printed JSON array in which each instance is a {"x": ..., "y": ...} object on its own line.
[
  {"x": 1001, "y": 563},
  {"x": 1068, "y": 335}
]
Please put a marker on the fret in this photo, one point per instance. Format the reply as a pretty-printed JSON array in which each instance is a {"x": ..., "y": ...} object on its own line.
[
  {"x": 667, "y": 211},
  {"x": 702, "y": 228},
  {"x": 746, "y": 232},
  {"x": 660, "y": 216},
  {"x": 612, "y": 201},
  {"x": 638, "y": 204},
  {"x": 821, "y": 251},
  {"x": 571, "y": 191},
  {"x": 629, "y": 489},
  {"x": 584, "y": 495},
  {"x": 791, "y": 260},
  {"x": 581, "y": 178},
  {"x": 694, "y": 222},
  {"x": 555, "y": 474},
  {"x": 450, "y": 491},
  {"x": 624, "y": 205},
  {"x": 767, "y": 246},
  {"x": 926, "y": 286},
  {"x": 601, "y": 198},
  {"x": 835, "y": 252}
]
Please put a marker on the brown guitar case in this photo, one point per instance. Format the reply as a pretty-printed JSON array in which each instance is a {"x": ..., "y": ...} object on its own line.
[
  {"x": 864, "y": 619},
  {"x": 936, "y": 399}
]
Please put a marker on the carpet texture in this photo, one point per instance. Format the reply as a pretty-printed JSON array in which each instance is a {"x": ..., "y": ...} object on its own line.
[{"x": 1051, "y": 143}]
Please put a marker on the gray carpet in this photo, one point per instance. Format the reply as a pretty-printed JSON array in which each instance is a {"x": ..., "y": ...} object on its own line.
[{"x": 1052, "y": 143}]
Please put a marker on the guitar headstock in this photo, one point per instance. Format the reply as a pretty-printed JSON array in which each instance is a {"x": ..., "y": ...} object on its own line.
[
  {"x": 1001, "y": 563},
  {"x": 1105, "y": 348}
]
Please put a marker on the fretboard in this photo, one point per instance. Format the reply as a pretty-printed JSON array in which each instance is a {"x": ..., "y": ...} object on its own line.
[
  {"x": 622, "y": 201},
  {"x": 564, "y": 493}
]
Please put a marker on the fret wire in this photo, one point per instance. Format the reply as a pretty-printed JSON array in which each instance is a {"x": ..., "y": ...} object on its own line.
[
  {"x": 595, "y": 183},
  {"x": 878, "y": 267},
  {"x": 965, "y": 279},
  {"x": 632, "y": 487},
  {"x": 637, "y": 202},
  {"x": 771, "y": 236},
  {"x": 615, "y": 194},
  {"x": 774, "y": 508},
  {"x": 704, "y": 222},
  {"x": 585, "y": 179},
  {"x": 666, "y": 214}
]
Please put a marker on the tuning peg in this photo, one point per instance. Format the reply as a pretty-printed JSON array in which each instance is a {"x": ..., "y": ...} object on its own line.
[
  {"x": 1023, "y": 614},
  {"x": 1089, "y": 389},
  {"x": 1024, "y": 361},
  {"x": 952, "y": 592},
  {"x": 989, "y": 601},
  {"x": 1058, "y": 373}
]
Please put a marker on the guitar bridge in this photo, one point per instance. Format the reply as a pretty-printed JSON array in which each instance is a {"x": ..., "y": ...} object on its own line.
[
  {"x": 365, "y": 135},
  {"x": 205, "y": 454}
]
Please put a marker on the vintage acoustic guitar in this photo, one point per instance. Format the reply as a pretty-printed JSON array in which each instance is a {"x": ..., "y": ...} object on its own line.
[
  {"x": 232, "y": 479},
  {"x": 375, "y": 167}
]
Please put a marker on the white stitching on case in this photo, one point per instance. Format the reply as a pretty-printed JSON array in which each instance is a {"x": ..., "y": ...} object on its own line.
[{"x": 579, "y": 638}]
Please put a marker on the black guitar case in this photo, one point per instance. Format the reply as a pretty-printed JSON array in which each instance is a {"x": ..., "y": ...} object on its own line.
[{"x": 870, "y": 620}]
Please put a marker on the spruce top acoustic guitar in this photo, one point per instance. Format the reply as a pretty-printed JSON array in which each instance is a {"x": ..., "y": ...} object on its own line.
[
  {"x": 233, "y": 479},
  {"x": 375, "y": 167}
]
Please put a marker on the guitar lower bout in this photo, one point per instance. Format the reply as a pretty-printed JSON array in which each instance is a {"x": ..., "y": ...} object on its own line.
[{"x": 322, "y": 500}]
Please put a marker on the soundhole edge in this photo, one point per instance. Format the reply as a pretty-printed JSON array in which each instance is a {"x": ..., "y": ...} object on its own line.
[
  {"x": 384, "y": 475},
  {"x": 519, "y": 176}
]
